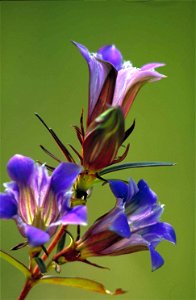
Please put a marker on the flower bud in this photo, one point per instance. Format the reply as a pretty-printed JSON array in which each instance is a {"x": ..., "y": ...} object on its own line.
[{"x": 103, "y": 139}]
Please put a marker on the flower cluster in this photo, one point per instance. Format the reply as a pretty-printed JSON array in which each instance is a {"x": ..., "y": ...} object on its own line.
[{"x": 43, "y": 206}]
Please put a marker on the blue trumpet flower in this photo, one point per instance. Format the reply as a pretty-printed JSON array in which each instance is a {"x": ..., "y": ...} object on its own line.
[{"x": 132, "y": 225}]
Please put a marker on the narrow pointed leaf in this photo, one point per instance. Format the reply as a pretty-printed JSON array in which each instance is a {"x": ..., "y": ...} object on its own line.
[
  {"x": 76, "y": 152},
  {"x": 82, "y": 123},
  {"x": 50, "y": 154},
  {"x": 122, "y": 157},
  {"x": 14, "y": 262},
  {"x": 129, "y": 131},
  {"x": 19, "y": 246},
  {"x": 41, "y": 265},
  {"x": 78, "y": 282},
  {"x": 57, "y": 140},
  {"x": 79, "y": 134},
  {"x": 49, "y": 168},
  {"x": 136, "y": 165},
  {"x": 94, "y": 265}
]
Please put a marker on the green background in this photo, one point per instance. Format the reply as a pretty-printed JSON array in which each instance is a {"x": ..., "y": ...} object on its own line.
[{"x": 43, "y": 72}]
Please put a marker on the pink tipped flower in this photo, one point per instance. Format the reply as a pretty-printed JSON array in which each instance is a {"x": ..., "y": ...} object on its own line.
[{"x": 114, "y": 82}]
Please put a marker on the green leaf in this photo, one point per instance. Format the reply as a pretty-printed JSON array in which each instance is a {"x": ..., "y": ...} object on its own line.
[
  {"x": 14, "y": 262},
  {"x": 78, "y": 282},
  {"x": 135, "y": 165},
  {"x": 41, "y": 265}
]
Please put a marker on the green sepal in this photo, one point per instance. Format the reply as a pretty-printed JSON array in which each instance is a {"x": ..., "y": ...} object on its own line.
[
  {"x": 78, "y": 282},
  {"x": 61, "y": 243},
  {"x": 14, "y": 262},
  {"x": 41, "y": 265},
  {"x": 45, "y": 250},
  {"x": 135, "y": 165}
]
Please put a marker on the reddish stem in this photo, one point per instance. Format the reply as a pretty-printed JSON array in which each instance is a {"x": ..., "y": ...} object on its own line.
[
  {"x": 26, "y": 289},
  {"x": 50, "y": 248}
]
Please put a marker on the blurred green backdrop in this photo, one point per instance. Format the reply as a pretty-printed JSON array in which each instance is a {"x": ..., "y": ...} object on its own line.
[{"x": 43, "y": 72}]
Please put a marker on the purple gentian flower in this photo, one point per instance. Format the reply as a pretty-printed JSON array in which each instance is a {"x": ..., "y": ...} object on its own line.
[
  {"x": 132, "y": 225},
  {"x": 39, "y": 202},
  {"x": 114, "y": 82}
]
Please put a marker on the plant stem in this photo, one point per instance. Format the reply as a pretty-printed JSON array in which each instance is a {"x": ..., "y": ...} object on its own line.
[
  {"x": 26, "y": 289},
  {"x": 50, "y": 248}
]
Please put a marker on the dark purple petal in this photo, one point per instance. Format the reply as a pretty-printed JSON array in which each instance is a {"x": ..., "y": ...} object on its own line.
[
  {"x": 123, "y": 190},
  {"x": 156, "y": 259},
  {"x": 144, "y": 199},
  {"x": 119, "y": 189},
  {"x": 132, "y": 189},
  {"x": 63, "y": 177},
  {"x": 20, "y": 168},
  {"x": 158, "y": 232},
  {"x": 120, "y": 225},
  {"x": 36, "y": 237},
  {"x": 8, "y": 206},
  {"x": 76, "y": 215},
  {"x": 112, "y": 55}
]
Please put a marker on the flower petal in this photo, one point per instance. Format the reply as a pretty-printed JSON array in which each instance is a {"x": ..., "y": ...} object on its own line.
[
  {"x": 40, "y": 183},
  {"x": 98, "y": 72},
  {"x": 120, "y": 225},
  {"x": 76, "y": 215},
  {"x": 123, "y": 190},
  {"x": 157, "y": 232},
  {"x": 152, "y": 66},
  {"x": 13, "y": 189},
  {"x": 20, "y": 168},
  {"x": 119, "y": 188},
  {"x": 63, "y": 177},
  {"x": 112, "y": 55},
  {"x": 8, "y": 206},
  {"x": 129, "y": 81},
  {"x": 147, "y": 217},
  {"x": 36, "y": 237},
  {"x": 156, "y": 259},
  {"x": 142, "y": 201}
]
